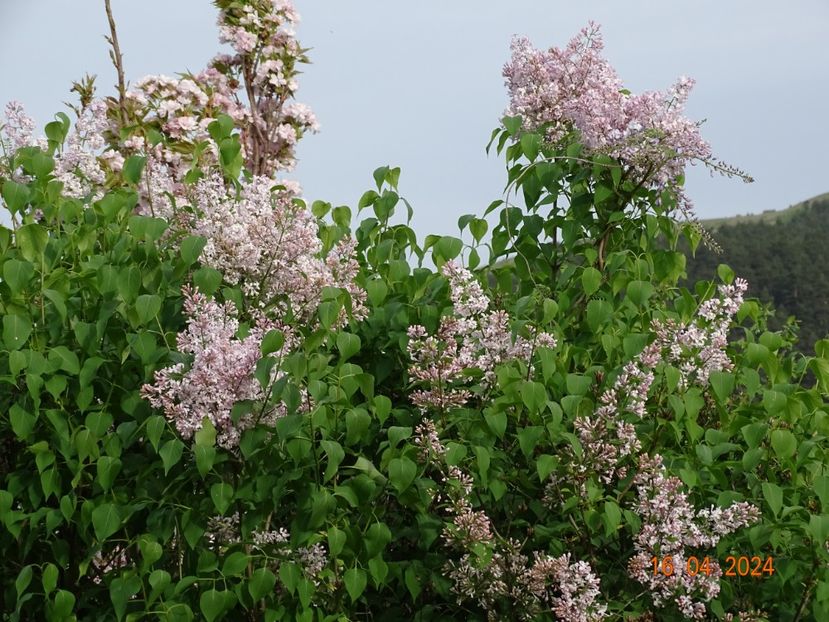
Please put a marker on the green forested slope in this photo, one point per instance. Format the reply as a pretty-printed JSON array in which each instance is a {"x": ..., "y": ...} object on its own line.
[{"x": 785, "y": 258}]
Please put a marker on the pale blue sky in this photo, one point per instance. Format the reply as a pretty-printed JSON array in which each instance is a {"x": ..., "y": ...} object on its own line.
[{"x": 418, "y": 84}]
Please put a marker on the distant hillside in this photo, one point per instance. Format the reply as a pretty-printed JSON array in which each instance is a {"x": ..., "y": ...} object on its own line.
[
  {"x": 784, "y": 255},
  {"x": 770, "y": 216}
]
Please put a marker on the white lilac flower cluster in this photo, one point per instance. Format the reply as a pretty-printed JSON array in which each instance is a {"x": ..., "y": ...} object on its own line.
[
  {"x": 576, "y": 89},
  {"x": 471, "y": 337}
]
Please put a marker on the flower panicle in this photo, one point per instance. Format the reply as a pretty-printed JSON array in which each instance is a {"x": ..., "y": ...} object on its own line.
[
  {"x": 471, "y": 337},
  {"x": 575, "y": 89}
]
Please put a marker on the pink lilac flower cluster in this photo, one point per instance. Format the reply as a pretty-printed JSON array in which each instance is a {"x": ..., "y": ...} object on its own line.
[
  {"x": 471, "y": 337},
  {"x": 606, "y": 438},
  {"x": 468, "y": 526},
  {"x": 225, "y": 531},
  {"x": 266, "y": 241},
  {"x": 255, "y": 86},
  {"x": 570, "y": 591},
  {"x": 259, "y": 234},
  {"x": 670, "y": 525},
  {"x": 221, "y": 372},
  {"x": 428, "y": 440},
  {"x": 482, "y": 583},
  {"x": 17, "y": 130},
  {"x": 576, "y": 89},
  {"x": 183, "y": 107},
  {"x": 548, "y": 584},
  {"x": 261, "y": 237},
  {"x": 82, "y": 162},
  {"x": 261, "y": 33},
  {"x": 342, "y": 265},
  {"x": 696, "y": 348},
  {"x": 313, "y": 560}
]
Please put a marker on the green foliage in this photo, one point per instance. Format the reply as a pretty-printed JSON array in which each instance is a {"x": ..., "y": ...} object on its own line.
[
  {"x": 108, "y": 514},
  {"x": 90, "y": 304}
]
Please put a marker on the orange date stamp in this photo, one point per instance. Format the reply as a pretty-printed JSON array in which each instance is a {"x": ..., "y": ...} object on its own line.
[{"x": 735, "y": 566}]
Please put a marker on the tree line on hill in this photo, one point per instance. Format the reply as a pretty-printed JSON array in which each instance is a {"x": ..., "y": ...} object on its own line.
[{"x": 784, "y": 256}]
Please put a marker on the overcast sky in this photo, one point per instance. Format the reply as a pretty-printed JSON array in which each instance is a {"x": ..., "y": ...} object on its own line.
[{"x": 418, "y": 84}]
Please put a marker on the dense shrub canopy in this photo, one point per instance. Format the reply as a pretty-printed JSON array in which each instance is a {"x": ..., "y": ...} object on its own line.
[{"x": 219, "y": 401}]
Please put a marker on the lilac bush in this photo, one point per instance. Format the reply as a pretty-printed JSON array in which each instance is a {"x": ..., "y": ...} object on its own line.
[{"x": 222, "y": 401}]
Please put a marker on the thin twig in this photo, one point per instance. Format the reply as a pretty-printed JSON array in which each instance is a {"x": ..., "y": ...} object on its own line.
[
  {"x": 118, "y": 61},
  {"x": 806, "y": 595}
]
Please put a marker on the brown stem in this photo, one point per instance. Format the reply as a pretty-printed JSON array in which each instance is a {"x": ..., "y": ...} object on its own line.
[
  {"x": 257, "y": 137},
  {"x": 602, "y": 243},
  {"x": 606, "y": 235},
  {"x": 806, "y": 596},
  {"x": 118, "y": 61},
  {"x": 625, "y": 491}
]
